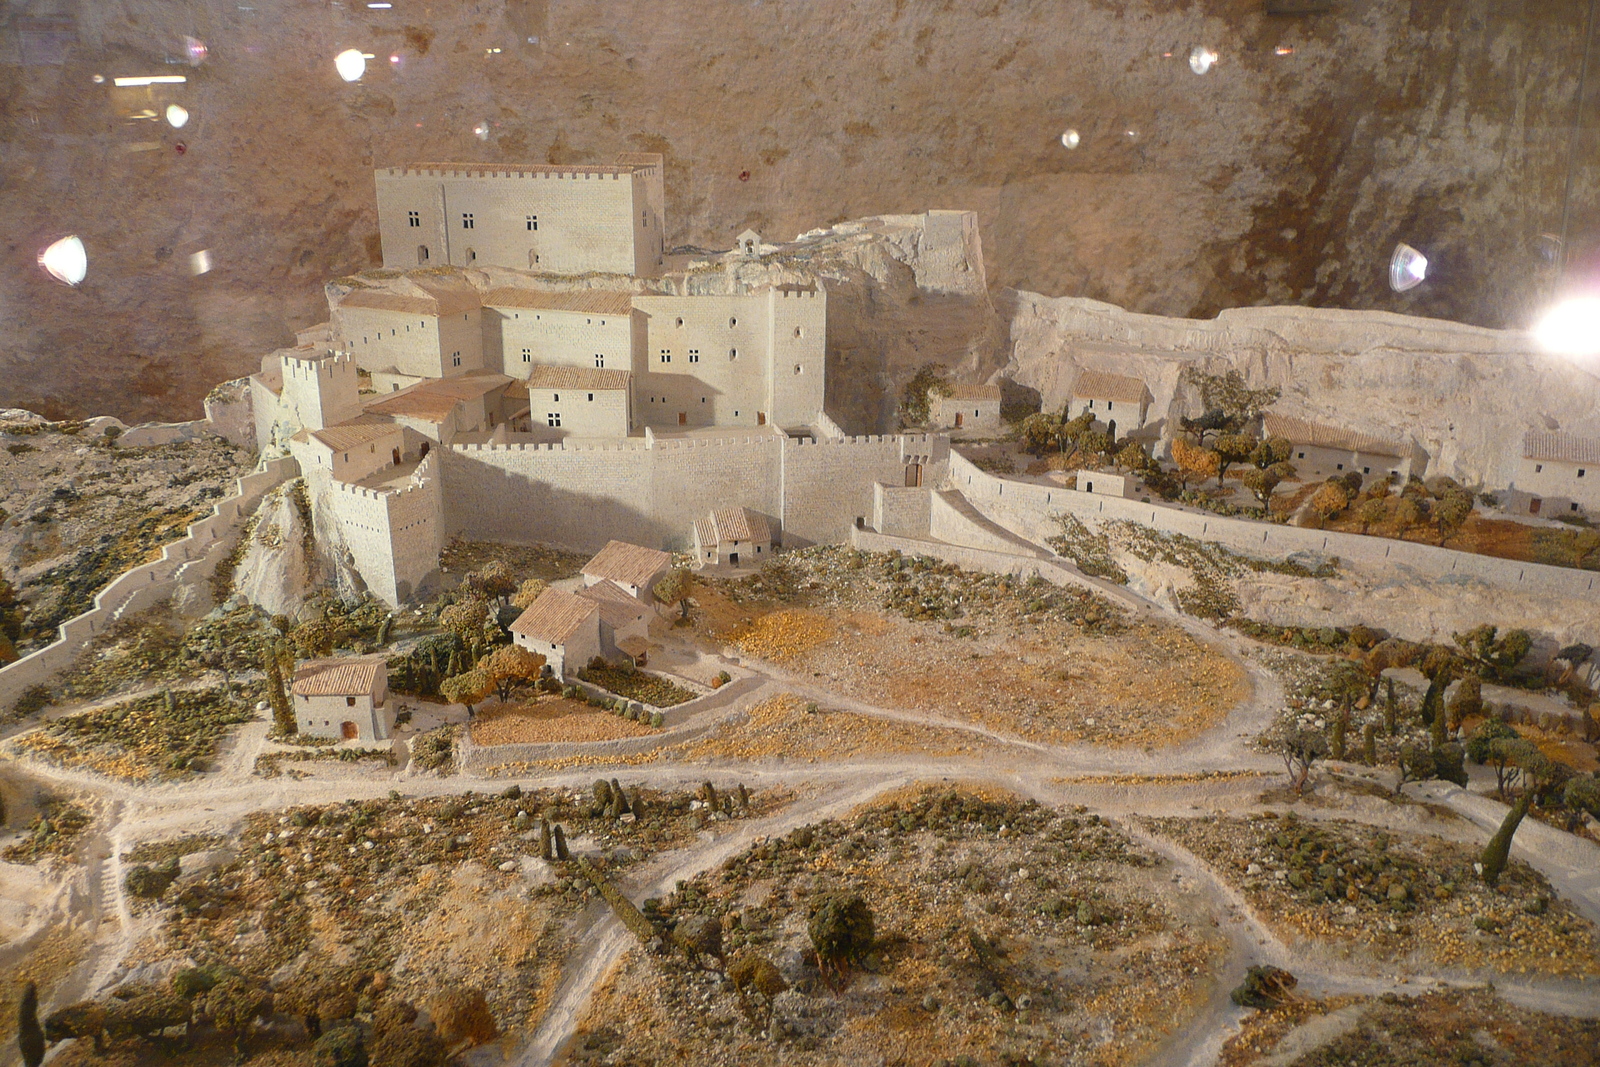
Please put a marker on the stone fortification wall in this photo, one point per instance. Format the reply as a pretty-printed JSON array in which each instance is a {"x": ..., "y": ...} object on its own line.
[
  {"x": 1465, "y": 395},
  {"x": 580, "y": 494},
  {"x": 1056, "y": 572},
  {"x": 1033, "y": 510},
  {"x": 394, "y": 535},
  {"x": 188, "y": 561}
]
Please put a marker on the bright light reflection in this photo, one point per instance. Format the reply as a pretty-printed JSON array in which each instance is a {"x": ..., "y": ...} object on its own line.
[
  {"x": 66, "y": 260},
  {"x": 350, "y": 64},
  {"x": 1407, "y": 268},
  {"x": 1571, "y": 328},
  {"x": 195, "y": 49},
  {"x": 1070, "y": 139},
  {"x": 380, "y": 6},
  {"x": 1284, "y": 50},
  {"x": 177, "y": 116},
  {"x": 1202, "y": 59},
  {"x": 481, "y": 131},
  {"x": 157, "y": 79},
  {"x": 200, "y": 262}
]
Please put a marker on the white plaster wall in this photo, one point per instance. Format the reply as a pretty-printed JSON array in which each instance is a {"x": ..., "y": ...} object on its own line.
[
  {"x": 799, "y": 347},
  {"x": 585, "y": 221},
  {"x": 1312, "y": 463},
  {"x": 1558, "y": 483},
  {"x": 718, "y": 389},
  {"x": 517, "y": 338},
  {"x": 583, "y": 412},
  {"x": 383, "y": 340},
  {"x": 982, "y": 416},
  {"x": 325, "y": 716}
]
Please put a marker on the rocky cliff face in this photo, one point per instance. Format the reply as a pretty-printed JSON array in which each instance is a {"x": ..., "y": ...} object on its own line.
[
  {"x": 1285, "y": 175},
  {"x": 1465, "y": 394}
]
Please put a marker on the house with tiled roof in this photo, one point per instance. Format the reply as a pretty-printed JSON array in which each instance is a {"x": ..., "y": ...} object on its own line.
[
  {"x": 1108, "y": 396},
  {"x": 345, "y": 698},
  {"x": 562, "y": 627},
  {"x": 564, "y": 401},
  {"x": 1559, "y": 474},
  {"x": 731, "y": 537},
  {"x": 1324, "y": 451},
  {"x": 350, "y": 451},
  {"x": 973, "y": 410},
  {"x": 633, "y": 567}
]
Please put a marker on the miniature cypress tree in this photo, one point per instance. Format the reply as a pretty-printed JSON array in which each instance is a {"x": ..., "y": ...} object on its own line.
[
  {"x": 30, "y": 1035},
  {"x": 1390, "y": 712},
  {"x": 620, "y": 798},
  {"x": 1341, "y": 723},
  {"x": 282, "y": 714},
  {"x": 744, "y": 796},
  {"x": 1369, "y": 744},
  {"x": 561, "y": 844},
  {"x": 1498, "y": 851},
  {"x": 708, "y": 793},
  {"x": 544, "y": 839}
]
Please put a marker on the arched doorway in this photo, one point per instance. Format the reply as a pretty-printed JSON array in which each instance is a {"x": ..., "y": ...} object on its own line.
[
  {"x": 349, "y": 731},
  {"x": 422, "y": 254}
]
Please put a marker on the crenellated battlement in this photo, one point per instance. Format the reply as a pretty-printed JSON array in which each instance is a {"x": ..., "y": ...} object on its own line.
[{"x": 467, "y": 170}]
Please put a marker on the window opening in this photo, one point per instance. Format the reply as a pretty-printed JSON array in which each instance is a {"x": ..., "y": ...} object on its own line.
[
  {"x": 414, "y": 218},
  {"x": 553, "y": 418},
  {"x": 466, "y": 220},
  {"x": 533, "y": 222}
]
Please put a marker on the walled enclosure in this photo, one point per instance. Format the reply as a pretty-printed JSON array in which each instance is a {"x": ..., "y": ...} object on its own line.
[{"x": 649, "y": 492}]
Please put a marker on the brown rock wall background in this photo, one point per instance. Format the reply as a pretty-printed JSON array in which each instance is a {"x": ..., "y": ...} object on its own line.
[{"x": 1273, "y": 179}]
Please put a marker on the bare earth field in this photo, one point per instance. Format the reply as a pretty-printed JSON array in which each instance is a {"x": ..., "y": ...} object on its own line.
[
  {"x": 1004, "y": 929},
  {"x": 1395, "y": 899},
  {"x": 550, "y": 719}
]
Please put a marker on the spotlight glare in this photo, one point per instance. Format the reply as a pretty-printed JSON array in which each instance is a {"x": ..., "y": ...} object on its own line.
[
  {"x": 200, "y": 262},
  {"x": 350, "y": 64},
  {"x": 1202, "y": 59},
  {"x": 66, "y": 260},
  {"x": 177, "y": 116},
  {"x": 1571, "y": 328},
  {"x": 1070, "y": 139},
  {"x": 1407, "y": 268}
]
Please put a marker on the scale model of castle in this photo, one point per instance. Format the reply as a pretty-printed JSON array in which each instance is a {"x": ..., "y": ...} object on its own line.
[{"x": 525, "y": 367}]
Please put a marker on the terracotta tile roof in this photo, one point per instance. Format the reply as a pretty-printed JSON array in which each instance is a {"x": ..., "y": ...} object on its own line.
[
  {"x": 542, "y": 376},
  {"x": 1561, "y": 447},
  {"x": 975, "y": 392},
  {"x": 627, "y": 564},
  {"x": 555, "y": 616},
  {"x": 346, "y": 676},
  {"x": 1099, "y": 385},
  {"x": 733, "y": 524},
  {"x": 359, "y": 430},
  {"x": 486, "y": 170},
  {"x": 580, "y": 301},
  {"x": 618, "y": 607},
  {"x": 435, "y": 398},
  {"x": 1304, "y": 432}
]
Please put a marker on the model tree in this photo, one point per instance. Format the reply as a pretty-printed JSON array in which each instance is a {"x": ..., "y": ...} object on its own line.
[
  {"x": 1132, "y": 456},
  {"x": 1329, "y": 499},
  {"x": 841, "y": 931},
  {"x": 510, "y": 664},
  {"x": 1495, "y": 654},
  {"x": 1193, "y": 462},
  {"x": 1451, "y": 512},
  {"x": 30, "y": 1035},
  {"x": 283, "y": 723},
  {"x": 675, "y": 589},
  {"x": 492, "y": 581},
  {"x": 1233, "y": 448},
  {"x": 528, "y": 592},
  {"x": 465, "y": 619},
  {"x": 468, "y": 687},
  {"x": 914, "y": 402},
  {"x": 1300, "y": 749},
  {"x": 1489, "y": 744},
  {"x": 1229, "y": 393}
]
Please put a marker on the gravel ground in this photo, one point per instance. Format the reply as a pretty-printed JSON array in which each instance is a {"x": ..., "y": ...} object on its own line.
[{"x": 552, "y": 719}]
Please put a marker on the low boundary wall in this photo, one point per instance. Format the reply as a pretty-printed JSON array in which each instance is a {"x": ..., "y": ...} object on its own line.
[
  {"x": 1032, "y": 511},
  {"x": 685, "y": 722},
  {"x": 191, "y": 558}
]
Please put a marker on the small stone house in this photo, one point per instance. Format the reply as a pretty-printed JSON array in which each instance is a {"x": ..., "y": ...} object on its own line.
[
  {"x": 562, "y": 627},
  {"x": 624, "y": 621},
  {"x": 732, "y": 537},
  {"x": 1326, "y": 451},
  {"x": 344, "y": 698},
  {"x": 574, "y": 402},
  {"x": 1110, "y": 396},
  {"x": 1105, "y": 483},
  {"x": 972, "y": 409},
  {"x": 633, "y": 567},
  {"x": 1559, "y": 475}
]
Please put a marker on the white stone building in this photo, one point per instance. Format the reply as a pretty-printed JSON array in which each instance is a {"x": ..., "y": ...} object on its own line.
[
  {"x": 748, "y": 359},
  {"x": 350, "y": 452},
  {"x": 576, "y": 402},
  {"x": 1110, "y": 396},
  {"x": 1322, "y": 451},
  {"x": 344, "y": 698},
  {"x": 442, "y": 409},
  {"x": 435, "y": 330},
  {"x": 732, "y": 537},
  {"x": 562, "y": 627},
  {"x": 1559, "y": 475},
  {"x": 557, "y": 219},
  {"x": 635, "y": 568},
  {"x": 969, "y": 410},
  {"x": 1105, "y": 483},
  {"x": 595, "y": 328}
]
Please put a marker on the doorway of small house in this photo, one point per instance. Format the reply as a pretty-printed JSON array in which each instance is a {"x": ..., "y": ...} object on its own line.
[
  {"x": 423, "y": 454},
  {"x": 959, "y": 418},
  {"x": 733, "y": 558},
  {"x": 395, "y": 452},
  {"x": 683, "y": 418},
  {"x": 348, "y": 731}
]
